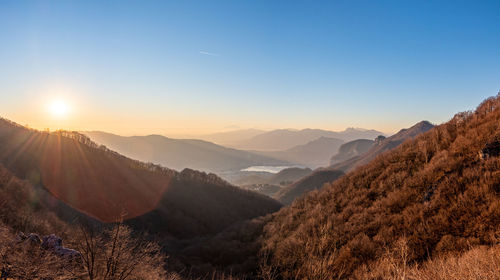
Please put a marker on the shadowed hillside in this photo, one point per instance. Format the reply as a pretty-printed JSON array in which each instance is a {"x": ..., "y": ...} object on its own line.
[
  {"x": 439, "y": 193},
  {"x": 285, "y": 177},
  {"x": 289, "y": 175},
  {"x": 269, "y": 184},
  {"x": 106, "y": 185},
  {"x": 309, "y": 183}
]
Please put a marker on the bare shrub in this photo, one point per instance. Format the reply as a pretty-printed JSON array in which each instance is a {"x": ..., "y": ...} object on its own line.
[{"x": 115, "y": 254}]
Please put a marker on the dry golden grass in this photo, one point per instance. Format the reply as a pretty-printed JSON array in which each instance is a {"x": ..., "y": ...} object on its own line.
[{"x": 478, "y": 263}]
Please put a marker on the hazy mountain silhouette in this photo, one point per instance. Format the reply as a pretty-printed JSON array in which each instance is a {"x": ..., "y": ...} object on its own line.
[
  {"x": 319, "y": 177},
  {"x": 106, "y": 185},
  {"x": 383, "y": 144},
  {"x": 352, "y": 149},
  {"x": 230, "y": 138},
  {"x": 289, "y": 175},
  {"x": 182, "y": 153},
  {"x": 313, "y": 154},
  {"x": 283, "y": 139}
]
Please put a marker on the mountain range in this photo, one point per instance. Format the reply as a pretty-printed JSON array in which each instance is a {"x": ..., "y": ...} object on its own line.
[
  {"x": 313, "y": 154},
  {"x": 383, "y": 144},
  {"x": 182, "y": 153},
  {"x": 412, "y": 204},
  {"x": 108, "y": 186},
  {"x": 351, "y": 149},
  {"x": 367, "y": 150},
  {"x": 284, "y": 139}
]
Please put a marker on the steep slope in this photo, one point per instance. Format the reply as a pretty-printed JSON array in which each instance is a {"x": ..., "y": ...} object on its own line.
[
  {"x": 283, "y": 139},
  {"x": 309, "y": 183},
  {"x": 106, "y": 185},
  {"x": 313, "y": 154},
  {"x": 197, "y": 204},
  {"x": 181, "y": 153},
  {"x": 437, "y": 193},
  {"x": 382, "y": 145},
  {"x": 30, "y": 208},
  {"x": 319, "y": 177},
  {"x": 352, "y": 149}
]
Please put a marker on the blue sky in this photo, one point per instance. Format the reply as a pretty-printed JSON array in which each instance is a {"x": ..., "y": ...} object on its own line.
[{"x": 188, "y": 67}]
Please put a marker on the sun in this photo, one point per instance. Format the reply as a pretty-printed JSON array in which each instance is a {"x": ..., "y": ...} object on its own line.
[{"x": 59, "y": 108}]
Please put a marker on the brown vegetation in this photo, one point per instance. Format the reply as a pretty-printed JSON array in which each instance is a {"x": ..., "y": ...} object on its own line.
[
  {"x": 436, "y": 191},
  {"x": 478, "y": 263}
]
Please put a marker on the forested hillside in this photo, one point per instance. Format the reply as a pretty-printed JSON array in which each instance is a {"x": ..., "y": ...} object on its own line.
[{"x": 108, "y": 186}]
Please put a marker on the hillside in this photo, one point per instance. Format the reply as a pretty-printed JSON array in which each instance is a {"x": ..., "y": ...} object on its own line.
[
  {"x": 283, "y": 178},
  {"x": 308, "y": 183},
  {"x": 436, "y": 194},
  {"x": 382, "y": 145},
  {"x": 367, "y": 150},
  {"x": 313, "y": 154},
  {"x": 352, "y": 149},
  {"x": 283, "y": 139},
  {"x": 181, "y": 153},
  {"x": 106, "y": 185},
  {"x": 289, "y": 175},
  {"x": 30, "y": 208}
]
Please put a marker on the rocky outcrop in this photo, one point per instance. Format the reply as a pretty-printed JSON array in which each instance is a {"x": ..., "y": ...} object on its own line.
[{"x": 51, "y": 243}]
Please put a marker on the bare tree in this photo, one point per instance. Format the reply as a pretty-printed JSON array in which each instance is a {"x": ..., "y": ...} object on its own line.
[{"x": 114, "y": 254}]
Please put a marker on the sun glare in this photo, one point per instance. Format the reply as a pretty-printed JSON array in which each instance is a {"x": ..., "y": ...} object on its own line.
[{"x": 59, "y": 108}]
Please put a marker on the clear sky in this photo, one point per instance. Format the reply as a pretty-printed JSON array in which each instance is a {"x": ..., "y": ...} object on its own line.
[{"x": 188, "y": 67}]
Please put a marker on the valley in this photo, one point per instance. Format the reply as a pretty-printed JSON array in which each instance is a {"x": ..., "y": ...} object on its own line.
[{"x": 249, "y": 140}]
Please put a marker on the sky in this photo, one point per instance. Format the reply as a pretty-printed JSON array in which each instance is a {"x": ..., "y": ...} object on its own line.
[{"x": 196, "y": 67}]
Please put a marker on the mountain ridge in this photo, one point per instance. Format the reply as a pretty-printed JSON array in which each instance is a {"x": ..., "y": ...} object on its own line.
[
  {"x": 109, "y": 186},
  {"x": 283, "y": 139},
  {"x": 320, "y": 176},
  {"x": 182, "y": 153}
]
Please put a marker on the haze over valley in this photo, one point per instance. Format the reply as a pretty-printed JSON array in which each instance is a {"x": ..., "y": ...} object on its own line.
[{"x": 249, "y": 140}]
